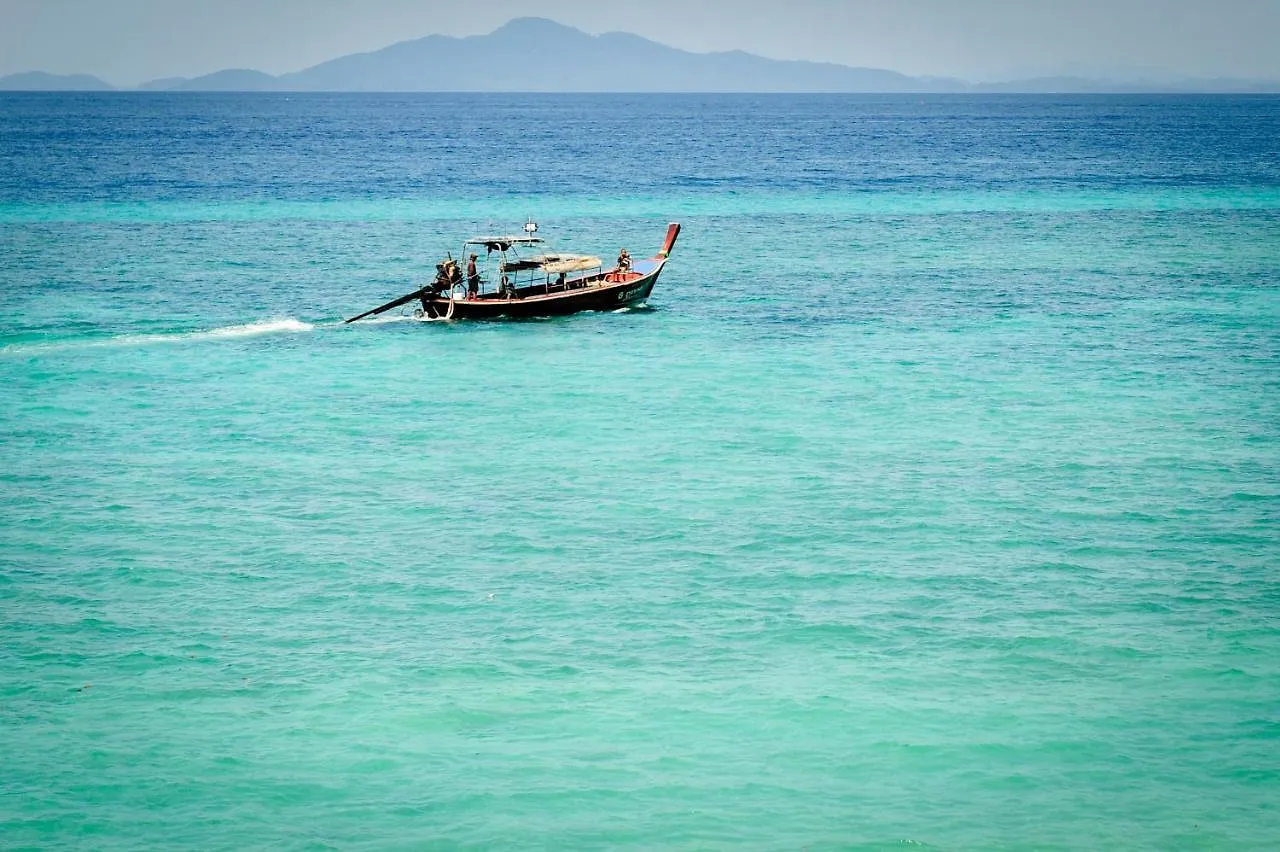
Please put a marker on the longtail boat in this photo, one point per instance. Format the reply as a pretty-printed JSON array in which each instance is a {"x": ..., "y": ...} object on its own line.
[{"x": 513, "y": 280}]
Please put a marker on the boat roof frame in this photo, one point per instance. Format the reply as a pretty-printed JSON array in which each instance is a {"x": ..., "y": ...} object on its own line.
[{"x": 499, "y": 242}]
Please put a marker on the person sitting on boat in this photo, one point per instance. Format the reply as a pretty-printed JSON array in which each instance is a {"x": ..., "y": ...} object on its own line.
[
  {"x": 434, "y": 290},
  {"x": 473, "y": 278},
  {"x": 624, "y": 261},
  {"x": 448, "y": 275},
  {"x": 442, "y": 277}
]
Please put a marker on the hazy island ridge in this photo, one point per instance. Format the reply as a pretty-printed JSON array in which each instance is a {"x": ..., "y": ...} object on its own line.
[{"x": 539, "y": 55}]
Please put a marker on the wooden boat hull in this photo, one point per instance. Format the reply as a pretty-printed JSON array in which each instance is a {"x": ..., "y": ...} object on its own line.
[
  {"x": 610, "y": 293},
  {"x": 628, "y": 284}
]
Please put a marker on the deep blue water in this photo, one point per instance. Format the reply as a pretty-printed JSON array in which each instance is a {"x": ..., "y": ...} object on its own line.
[{"x": 934, "y": 498}]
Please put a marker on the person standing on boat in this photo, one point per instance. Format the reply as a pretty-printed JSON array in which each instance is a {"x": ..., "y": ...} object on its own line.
[
  {"x": 473, "y": 278},
  {"x": 624, "y": 261}
]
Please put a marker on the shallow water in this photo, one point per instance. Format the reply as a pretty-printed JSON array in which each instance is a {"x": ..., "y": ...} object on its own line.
[{"x": 933, "y": 498}]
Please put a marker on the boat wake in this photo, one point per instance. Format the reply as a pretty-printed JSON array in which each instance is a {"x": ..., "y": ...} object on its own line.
[
  {"x": 230, "y": 332},
  {"x": 254, "y": 328}
]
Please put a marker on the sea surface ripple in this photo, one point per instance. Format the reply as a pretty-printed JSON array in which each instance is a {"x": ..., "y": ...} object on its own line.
[{"x": 933, "y": 499}]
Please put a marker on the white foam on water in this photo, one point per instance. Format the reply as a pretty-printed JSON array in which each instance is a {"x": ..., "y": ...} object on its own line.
[
  {"x": 255, "y": 328},
  {"x": 276, "y": 326}
]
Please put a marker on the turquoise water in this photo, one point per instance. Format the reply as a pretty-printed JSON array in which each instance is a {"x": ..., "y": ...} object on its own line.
[{"x": 934, "y": 498}]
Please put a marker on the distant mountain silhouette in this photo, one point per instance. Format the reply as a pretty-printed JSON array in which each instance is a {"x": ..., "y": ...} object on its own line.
[
  {"x": 39, "y": 81},
  {"x": 537, "y": 55},
  {"x": 164, "y": 84},
  {"x": 234, "y": 80}
]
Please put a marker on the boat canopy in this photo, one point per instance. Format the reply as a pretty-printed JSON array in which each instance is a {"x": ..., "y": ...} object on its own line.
[
  {"x": 554, "y": 264},
  {"x": 503, "y": 243}
]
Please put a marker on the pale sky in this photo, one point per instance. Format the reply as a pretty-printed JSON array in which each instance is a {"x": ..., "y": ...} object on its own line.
[{"x": 127, "y": 42}]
